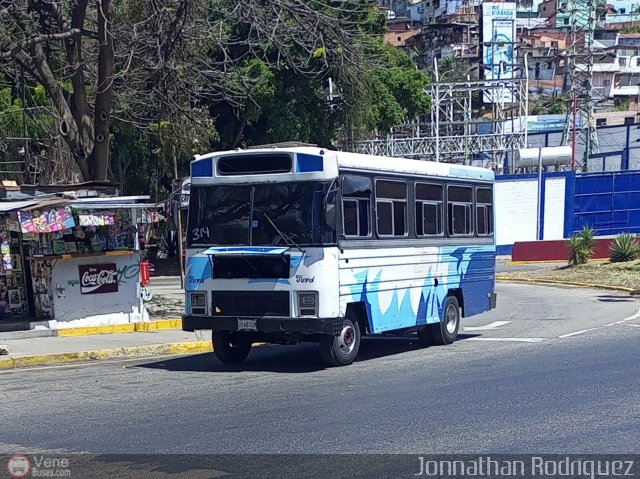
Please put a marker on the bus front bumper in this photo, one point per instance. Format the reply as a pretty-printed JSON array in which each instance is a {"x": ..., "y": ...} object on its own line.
[{"x": 330, "y": 326}]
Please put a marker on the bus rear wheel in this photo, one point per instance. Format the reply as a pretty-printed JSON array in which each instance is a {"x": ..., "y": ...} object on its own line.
[
  {"x": 229, "y": 348},
  {"x": 446, "y": 331},
  {"x": 341, "y": 350}
]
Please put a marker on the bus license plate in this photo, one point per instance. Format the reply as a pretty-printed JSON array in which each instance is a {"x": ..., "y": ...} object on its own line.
[{"x": 248, "y": 324}]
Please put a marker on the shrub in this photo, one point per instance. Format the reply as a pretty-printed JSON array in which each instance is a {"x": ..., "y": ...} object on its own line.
[
  {"x": 624, "y": 248},
  {"x": 581, "y": 246}
]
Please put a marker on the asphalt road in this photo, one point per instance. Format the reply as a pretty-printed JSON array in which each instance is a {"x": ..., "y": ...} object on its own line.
[{"x": 549, "y": 371}]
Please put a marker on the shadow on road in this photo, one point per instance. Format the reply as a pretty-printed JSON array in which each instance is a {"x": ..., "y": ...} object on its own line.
[
  {"x": 610, "y": 298},
  {"x": 302, "y": 358}
]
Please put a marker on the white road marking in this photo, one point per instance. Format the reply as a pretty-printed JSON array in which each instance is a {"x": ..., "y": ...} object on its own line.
[
  {"x": 576, "y": 333},
  {"x": 630, "y": 318},
  {"x": 615, "y": 323},
  {"x": 494, "y": 325},
  {"x": 517, "y": 340}
]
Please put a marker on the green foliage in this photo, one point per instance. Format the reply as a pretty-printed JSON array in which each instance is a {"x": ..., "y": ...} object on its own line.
[
  {"x": 282, "y": 105},
  {"x": 581, "y": 246},
  {"x": 631, "y": 29},
  {"x": 624, "y": 248},
  {"x": 14, "y": 121},
  {"x": 452, "y": 69},
  {"x": 547, "y": 106},
  {"x": 320, "y": 53},
  {"x": 396, "y": 91},
  {"x": 375, "y": 23},
  {"x": 132, "y": 149},
  {"x": 216, "y": 81},
  {"x": 621, "y": 105},
  {"x": 11, "y": 118}
]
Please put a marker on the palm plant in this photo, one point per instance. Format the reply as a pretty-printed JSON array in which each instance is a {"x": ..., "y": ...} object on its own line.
[
  {"x": 581, "y": 245},
  {"x": 624, "y": 248}
]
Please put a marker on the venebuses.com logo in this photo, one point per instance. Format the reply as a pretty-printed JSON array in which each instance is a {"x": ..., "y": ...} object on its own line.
[{"x": 18, "y": 466}]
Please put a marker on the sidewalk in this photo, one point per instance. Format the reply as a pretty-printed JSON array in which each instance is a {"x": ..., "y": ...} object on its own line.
[{"x": 41, "y": 351}]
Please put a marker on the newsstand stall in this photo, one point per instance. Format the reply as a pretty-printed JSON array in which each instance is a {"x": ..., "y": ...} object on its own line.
[
  {"x": 14, "y": 290},
  {"x": 85, "y": 261}
]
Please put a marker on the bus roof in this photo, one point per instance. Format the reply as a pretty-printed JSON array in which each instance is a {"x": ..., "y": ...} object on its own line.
[
  {"x": 362, "y": 162},
  {"x": 405, "y": 165}
]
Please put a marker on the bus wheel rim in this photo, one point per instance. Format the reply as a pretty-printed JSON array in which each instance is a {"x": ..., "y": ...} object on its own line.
[
  {"x": 451, "y": 319},
  {"x": 347, "y": 339}
]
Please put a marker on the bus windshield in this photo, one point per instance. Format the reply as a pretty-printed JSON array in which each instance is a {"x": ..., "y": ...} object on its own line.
[{"x": 261, "y": 214}]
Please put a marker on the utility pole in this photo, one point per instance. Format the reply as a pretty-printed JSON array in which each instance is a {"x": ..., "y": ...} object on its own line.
[
  {"x": 179, "y": 215},
  {"x": 436, "y": 108}
]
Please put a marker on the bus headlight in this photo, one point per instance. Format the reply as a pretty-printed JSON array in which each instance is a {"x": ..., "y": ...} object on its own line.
[
  {"x": 308, "y": 303},
  {"x": 198, "y": 303}
]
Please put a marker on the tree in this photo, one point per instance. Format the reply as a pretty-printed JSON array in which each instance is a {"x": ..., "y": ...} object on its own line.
[
  {"x": 163, "y": 47},
  {"x": 173, "y": 77},
  {"x": 69, "y": 50},
  {"x": 398, "y": 91},
  {"x": 284, "y": 105}
]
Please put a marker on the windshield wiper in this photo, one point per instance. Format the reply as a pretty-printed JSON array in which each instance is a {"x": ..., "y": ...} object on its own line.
[{"x": 288, "y": 241}]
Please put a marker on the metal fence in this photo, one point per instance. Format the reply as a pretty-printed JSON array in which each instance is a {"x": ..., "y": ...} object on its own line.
[
  {"x": 619, "y": 147},
  {"x": 35, "y": 160}
]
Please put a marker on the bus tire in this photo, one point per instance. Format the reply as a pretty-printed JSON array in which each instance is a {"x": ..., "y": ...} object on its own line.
[
  {"x": 230, "y": 349},
  {"x": 341, "y": 350},
  {"x": 446, "y": 331}
]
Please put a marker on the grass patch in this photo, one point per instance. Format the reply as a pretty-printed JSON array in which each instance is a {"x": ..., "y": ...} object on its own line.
[{"x": 626, "y": 275}]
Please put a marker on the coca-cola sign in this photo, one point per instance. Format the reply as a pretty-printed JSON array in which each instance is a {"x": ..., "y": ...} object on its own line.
[{"x": 98, "y": 278}]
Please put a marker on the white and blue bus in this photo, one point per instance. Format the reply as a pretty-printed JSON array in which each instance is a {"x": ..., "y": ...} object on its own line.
[{"x": 288, "y": 245}]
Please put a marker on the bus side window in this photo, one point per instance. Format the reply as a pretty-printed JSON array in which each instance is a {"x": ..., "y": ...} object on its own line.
[
  {"x": 391, "y": 207},
  {"x": 356, "y": 206},
  {"x": 355, "y": 216},
  {"x": 460, "y": 209},
  {"x": 484, "y": 211},
  {"x": 429, "y": 200}
]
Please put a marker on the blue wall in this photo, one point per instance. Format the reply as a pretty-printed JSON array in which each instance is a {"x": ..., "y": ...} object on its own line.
[{"x": 607, "y": 202}]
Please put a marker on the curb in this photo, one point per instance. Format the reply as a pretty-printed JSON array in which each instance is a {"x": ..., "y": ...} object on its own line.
[
  {"x": 566, "y": 283},
  {"x": 546, "y": 261},
  {"x": 549, "y": 261},
  {"x": 129, "y": 352},
  {"x": 160, "y": 325}
]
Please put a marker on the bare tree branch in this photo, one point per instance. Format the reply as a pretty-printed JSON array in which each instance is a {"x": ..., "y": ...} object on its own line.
[{"x": 16, "y": 48}]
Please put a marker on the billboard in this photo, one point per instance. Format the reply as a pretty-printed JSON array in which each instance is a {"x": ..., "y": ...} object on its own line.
[
  {"x": 498, "y": 40},
  {"x": 540, "y": 123}
]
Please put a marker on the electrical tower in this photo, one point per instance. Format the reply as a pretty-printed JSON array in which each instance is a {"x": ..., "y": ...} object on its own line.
[
  {"x": 456, "y": 133},
  {"x": 582, "y": 98}
]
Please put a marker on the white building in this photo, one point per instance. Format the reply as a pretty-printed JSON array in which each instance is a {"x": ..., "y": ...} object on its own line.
[
  {"x": 623, "y": 11},
  {"x": 618, "y": 75}
]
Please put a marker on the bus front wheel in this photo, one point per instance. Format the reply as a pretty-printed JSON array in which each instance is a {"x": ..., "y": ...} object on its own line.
[
  {"x": 341, "y": 350},
  {"x": 229, "y": 348}
]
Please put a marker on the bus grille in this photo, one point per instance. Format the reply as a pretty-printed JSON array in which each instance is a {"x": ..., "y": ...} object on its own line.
[
  {"x": 252, "y": 304},
  {"x": 251, "y": 266}
]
